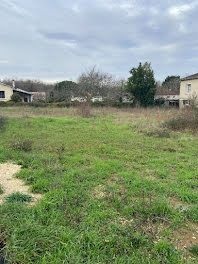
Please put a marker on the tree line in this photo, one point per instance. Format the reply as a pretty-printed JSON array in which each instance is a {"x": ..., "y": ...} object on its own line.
[{"x": 140, "y": 87}]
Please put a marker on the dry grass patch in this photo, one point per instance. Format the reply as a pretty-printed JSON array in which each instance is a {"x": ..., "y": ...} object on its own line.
[{"x": 99, "y": 192}]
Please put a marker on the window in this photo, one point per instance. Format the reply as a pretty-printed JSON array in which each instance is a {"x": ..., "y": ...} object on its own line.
[
  {"x": 185, "y": 102},
  {"x": 188, "y": 88},
  {"x": 2, "y": 94}
]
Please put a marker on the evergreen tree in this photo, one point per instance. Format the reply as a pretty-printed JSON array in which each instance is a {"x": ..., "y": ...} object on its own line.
[{"x": 142, "y": 84}]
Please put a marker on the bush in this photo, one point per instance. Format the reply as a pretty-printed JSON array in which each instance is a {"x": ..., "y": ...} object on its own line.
[
  {"x": 16, "y": 98},
  {"x": 25, "y": 145},
  {"x": 159, "y": 102},
  {"x": 188, "y": 119}
]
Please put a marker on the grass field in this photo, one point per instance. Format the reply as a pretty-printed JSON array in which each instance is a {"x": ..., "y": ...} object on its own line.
[{"x": 117, "y": 188}]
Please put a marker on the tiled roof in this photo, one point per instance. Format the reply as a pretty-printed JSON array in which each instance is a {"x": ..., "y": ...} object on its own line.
[
  {"x": 167, "y": 92},
  {"x": 190, "y": 77}
]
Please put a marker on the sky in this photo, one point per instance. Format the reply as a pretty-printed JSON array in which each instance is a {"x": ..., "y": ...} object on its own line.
[{"x": 55, "y": 40}]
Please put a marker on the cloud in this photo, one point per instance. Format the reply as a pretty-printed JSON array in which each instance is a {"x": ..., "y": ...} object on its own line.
[
  {"x": 54, "y": 40},
  {"x": 177, "y": 11}
]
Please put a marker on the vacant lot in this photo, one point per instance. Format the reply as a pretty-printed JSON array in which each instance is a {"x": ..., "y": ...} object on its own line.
[{"x": 116, "y": 187}]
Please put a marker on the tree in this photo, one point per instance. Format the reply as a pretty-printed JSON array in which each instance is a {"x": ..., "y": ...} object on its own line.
[
  {"x": 171, "y": 83},
  {"x": 98, "y": 83},
  {"x": 16, "y": 98},
  {"x": 94, "y": 82},
  {"x": 142, "y": 84},
  {"x": 64, "y": 91}
]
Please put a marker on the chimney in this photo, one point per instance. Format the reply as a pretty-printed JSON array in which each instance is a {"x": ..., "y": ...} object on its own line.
[{"x": 13, "y": 84}]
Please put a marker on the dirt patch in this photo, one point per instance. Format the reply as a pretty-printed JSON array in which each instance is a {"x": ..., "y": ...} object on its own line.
[
  {"x": 186, "y": 237},
  {"x": 11, "y": 185},
  {"x": 179, "y": 205},
  {"x": 123, "y": 221},
  {"x": 99, "y": 192}
]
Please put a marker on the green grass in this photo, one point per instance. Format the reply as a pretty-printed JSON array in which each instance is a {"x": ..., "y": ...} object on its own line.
[
  {"x": 106, "y": 187},
  {"x": 19, "y": 197}
]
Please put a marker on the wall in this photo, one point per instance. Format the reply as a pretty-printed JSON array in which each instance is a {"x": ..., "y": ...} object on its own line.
[
  {"x": 8, "y": 92},
  {"x": 188, "y": 96}
]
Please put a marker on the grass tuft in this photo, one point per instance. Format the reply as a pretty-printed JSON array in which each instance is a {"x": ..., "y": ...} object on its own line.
[
  {"x": 19, "y": 197},
  {"x": 20, "y": 144}
]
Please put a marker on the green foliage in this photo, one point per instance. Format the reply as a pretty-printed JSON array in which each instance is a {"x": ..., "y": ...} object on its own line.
[
  {"x": 171, "y": 82},
  {"x": 19, "y": 197},
  {"x": 159, "y": 102},
  {"x": 142, "y": 84},
  {"x": 194, "y": 250},
  {"x": 63, "y": 91},
  {"x": 16, "y": 98}
]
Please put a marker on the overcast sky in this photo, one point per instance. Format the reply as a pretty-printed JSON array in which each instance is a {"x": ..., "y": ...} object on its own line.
[{"x": 55, "y": 40}]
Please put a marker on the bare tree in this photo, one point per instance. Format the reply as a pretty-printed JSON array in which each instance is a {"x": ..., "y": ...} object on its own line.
[
  {"x": 94, "y": 82},
  {"x": 98, "y": 83}
]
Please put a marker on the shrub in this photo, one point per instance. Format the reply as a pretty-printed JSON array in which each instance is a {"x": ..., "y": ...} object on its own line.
[
  {"x": 16, "y": 98},
  {"x": 19, "y": 197},
  {"x": 25, "y": 145},
  {"x": 159, "y": 102},
  {"x": 188, "y": 119}
]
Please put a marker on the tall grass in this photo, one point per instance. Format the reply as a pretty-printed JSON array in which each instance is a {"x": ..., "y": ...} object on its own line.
[{"x": 186, "y": 120}]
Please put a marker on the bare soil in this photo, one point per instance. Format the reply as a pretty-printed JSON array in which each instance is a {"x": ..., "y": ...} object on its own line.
[{"x": 10, "y": 184}]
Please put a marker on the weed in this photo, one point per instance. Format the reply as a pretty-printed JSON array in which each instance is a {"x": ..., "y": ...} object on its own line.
[
  {"x": 84, "y": 110},
  {"x": 188, "y": 119},
  {"x": 159, "y": 133},
  {"x": 194, "y": 250},
  {"x": 22, "y": 144}
]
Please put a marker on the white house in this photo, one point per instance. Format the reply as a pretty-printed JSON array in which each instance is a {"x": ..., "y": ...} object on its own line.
[
  {"x": 6, "y": 92},
  {"x": 97, "y": 99}
]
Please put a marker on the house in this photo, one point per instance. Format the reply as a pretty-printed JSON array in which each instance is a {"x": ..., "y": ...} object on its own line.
[
  {"x": 97, "y": 99},
  {"x": 170, "y": 97},
  {"x": 188, "y": 90},
  {"x": 38, "y": 96},
  {"x": 6, "y": 92},
  {"x": 78, "y": 99}
]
